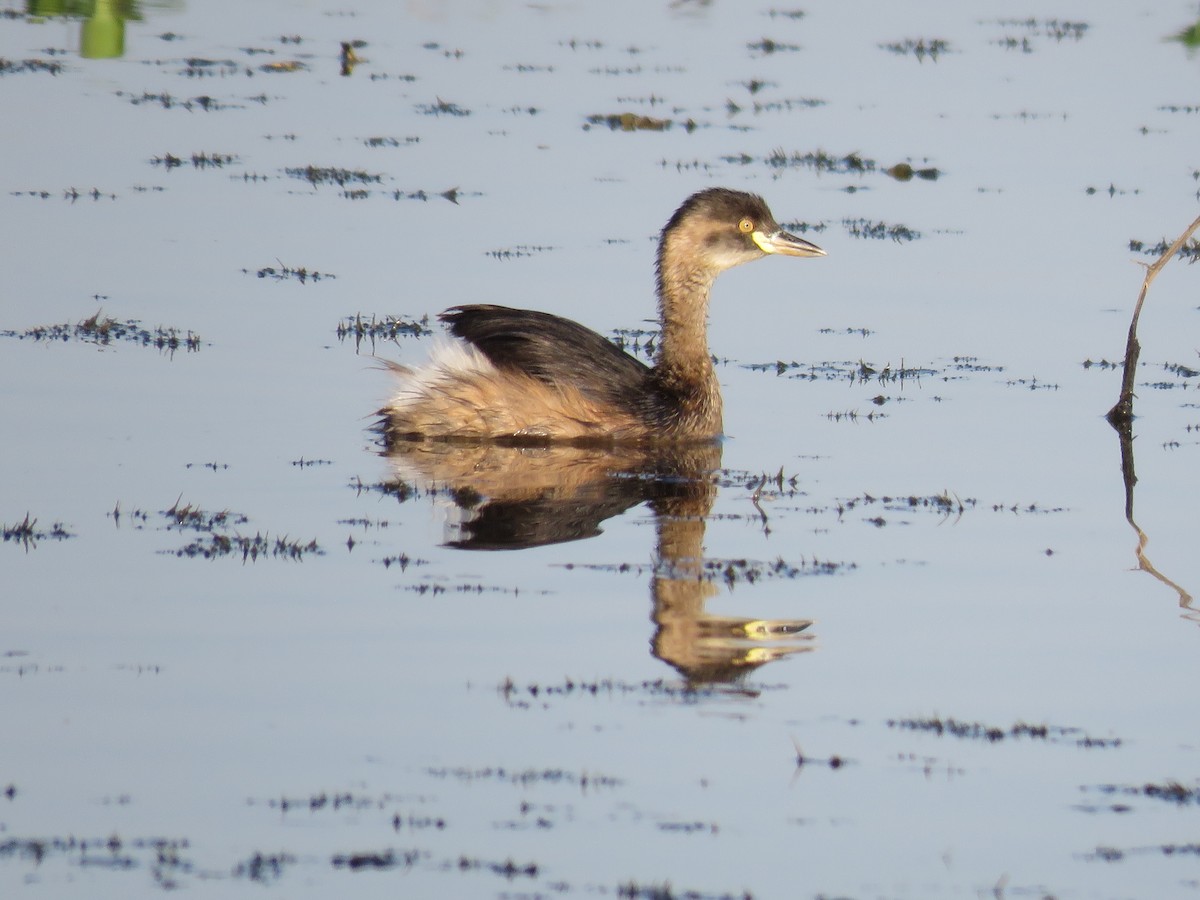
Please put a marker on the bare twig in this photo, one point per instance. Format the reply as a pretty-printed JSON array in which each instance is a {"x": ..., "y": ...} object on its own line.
[{"x": 1122, "y": 413}]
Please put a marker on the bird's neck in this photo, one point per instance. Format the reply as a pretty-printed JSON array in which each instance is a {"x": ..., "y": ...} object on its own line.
[
  {"x": 684, "y": 365},
  {"x": 683, "y": 289}
]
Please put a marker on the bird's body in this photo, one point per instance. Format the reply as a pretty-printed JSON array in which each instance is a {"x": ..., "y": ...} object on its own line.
[{"x": 532, "y": 377}]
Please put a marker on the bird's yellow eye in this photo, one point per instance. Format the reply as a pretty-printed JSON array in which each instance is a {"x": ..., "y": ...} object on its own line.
[{"x": 746, "y": 226}]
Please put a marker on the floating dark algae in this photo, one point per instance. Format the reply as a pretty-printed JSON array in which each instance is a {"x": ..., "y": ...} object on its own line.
[
  {"x": 19, "y": 66},
  {"x": 581, "y": 44},
  {"x": 163, "y": 856},
  {"x": 919, "y": 48},
  {"x": 767, "y": 46},
  {"x": 1027, "y": 115},
  {"x": 185, "y": 516},
  {"x": 506, "y": 868},
  {"x": 748, "y": 571},
  {"x": 391, "y": 141},
  {"x": 731, "y": 571},
  {"x": 378, "y": 859},
  {"x": 198, "y": 67},
  {"x": 442, "y": 107},
  {"x": 853, "y": 415},
  {"x": 322, "y": 175},
  {"x": 215, "y": 541},
  {"x": 104, "y": 331},
  {"x": 634, "y": 122},
  {"x": 303, "y": 463},
  {"x": 797, "y": 227},
  {"x": 525, "y": 68},
  {"x": 165, "y": 100},
  {"x": 335, "y": 802},
  {"x": 1026, "y": 34},
  {"x": 525, "y": 696},
  {"x": 517, "y": 252},
  {"x": 1050, "y": 734},
  {"x": 942, "y": 504},
  {"x": 26, "y": 533},
  {"x": 1032, "y": 384},
  {"x": 1169, "y": 791},
  {"x": 865, "y": 228},
  {"x": 70, "y": 194},
  {"x": 524, "y": 778},
  {"x": 817, "y": 160},
  {"x": 1101, "y": 364},
  {"x": 860, "y": 331},
  {"x": 447, "y": 52},
  {"x": 972, "y": 364},
  {"x": 451, "y": 194},
  {"x": 754, "y": 85},
  {"x": 1180, "y": 370},
  {"x": 636, "y": 890},
  {"x": 385, "y": 76},
  {"x": 907, "y": 172},
  {"x": 388, "y": 328},
  {"x": 289, "y": 273},
  {"x": 404, "y": 491},
  {"x": 1112, "y": 190},
  {"x": 787, "y": 104},
  {"x": 860, "y": 372},
  {"x": 264, "y": 868},
  {"x": 1189, "y": 250},
  {"x": 1115, "y": 854},
  {"x": 398, "y": 488},
  {"x": 391, "y": 858},
  {"x": 1027, "y": 508},
  {"x": 200, "y": 160},
  {"x": 402, "y": 561},
  {"x": 249, "y": 549}
]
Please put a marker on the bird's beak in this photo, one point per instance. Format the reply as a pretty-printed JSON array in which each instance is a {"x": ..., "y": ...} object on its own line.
[{"x": 785, "y": 244}]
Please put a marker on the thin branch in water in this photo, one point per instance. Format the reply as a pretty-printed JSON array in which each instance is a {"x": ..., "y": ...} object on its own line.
[{"x": 1122, "y": 413}]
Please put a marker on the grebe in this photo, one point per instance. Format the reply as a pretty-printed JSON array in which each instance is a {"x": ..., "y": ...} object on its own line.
[{"x": 520, "y": 376}]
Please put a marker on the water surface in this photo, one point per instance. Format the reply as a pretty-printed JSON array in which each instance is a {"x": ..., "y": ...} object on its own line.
[{"x": 893, "y": 639}]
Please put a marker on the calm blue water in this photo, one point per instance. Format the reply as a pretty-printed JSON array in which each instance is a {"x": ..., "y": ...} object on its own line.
[{"x": 353, "y": 705}]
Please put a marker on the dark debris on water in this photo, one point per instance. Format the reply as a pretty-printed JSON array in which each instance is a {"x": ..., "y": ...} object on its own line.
[
  {"x": 27, "y": 533},
  {"x": 215, "y": 541},
  {"x": 1171, "y": 791},
  {"x": 165, "y": 100},
  {"x": 285, "y": 273},
  {"x": 200, "y": 160},
  {"x": 319, "y": 175},
  {"x": 525, "y": 696},
  {"x": 864, "y": 228},
  {"x": 628, "y": 121},
  {"x": 1023, "y": 34},
  {"x": 1052, "y": 734},
  {"x": 17, "y": 66},
  {"x": 1190, "y": 251},
  {"x": 919, "y": 48},
  {"x": 387, "y": 328},
  {"x": 103, "y": 331}
]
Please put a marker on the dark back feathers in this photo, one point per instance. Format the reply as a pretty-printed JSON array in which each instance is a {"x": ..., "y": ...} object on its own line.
[{"x": 552, "y": 349}]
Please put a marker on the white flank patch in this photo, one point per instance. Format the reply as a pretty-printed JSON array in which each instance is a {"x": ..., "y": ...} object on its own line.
[{"x": 449, "y": 360}]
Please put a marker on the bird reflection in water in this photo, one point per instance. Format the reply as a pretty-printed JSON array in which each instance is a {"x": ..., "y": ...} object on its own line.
[{"x": 509, "y": 498}]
